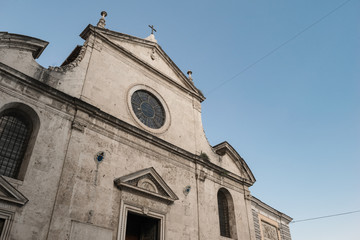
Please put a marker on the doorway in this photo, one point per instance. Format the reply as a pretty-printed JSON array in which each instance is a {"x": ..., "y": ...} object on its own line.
[{"x": 140, "y": 227}]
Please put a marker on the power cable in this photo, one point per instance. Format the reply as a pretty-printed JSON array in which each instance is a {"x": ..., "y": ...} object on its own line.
[
  {"x": 328, "y": 216},
  {"x": 280, "y": 46}
]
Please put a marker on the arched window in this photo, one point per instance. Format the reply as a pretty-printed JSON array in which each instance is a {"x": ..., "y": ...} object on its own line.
[
  {"x": 226, "y": 214},
  {"x": 15, "y": 131},
  {"x": 223, "y": 215}
]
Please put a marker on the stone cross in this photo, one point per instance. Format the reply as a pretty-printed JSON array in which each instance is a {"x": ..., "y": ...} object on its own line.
[{"x": 152, "y": 29}]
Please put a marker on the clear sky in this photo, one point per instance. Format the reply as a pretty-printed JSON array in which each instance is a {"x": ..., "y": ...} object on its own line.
[{"x": 281, "y": 80}]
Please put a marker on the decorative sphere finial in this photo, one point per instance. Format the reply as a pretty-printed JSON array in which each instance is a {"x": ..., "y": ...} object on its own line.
[
  {"x": 103, "y": 14},
  {"x": 101, "y": 22},
  {"x": 189, "y": 73}
]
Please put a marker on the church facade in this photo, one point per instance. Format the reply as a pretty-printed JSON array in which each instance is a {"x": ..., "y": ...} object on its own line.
[{"x": 110, "y": 145}]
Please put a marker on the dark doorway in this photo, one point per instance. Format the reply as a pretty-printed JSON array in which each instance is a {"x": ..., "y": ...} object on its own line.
[{"x": 139, "y": 227}]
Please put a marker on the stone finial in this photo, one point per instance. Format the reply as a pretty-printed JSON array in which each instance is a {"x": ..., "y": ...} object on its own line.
[
  {"x": 151, "y": 37},
  {"x": 189, "y": 73},
  {"x": 101, "y": 22}
]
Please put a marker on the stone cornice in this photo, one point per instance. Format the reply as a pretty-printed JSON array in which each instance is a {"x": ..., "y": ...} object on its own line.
[
  {"x": 225, "y": 148},
  {"x": 10, "y": 193},
  {"x": 96, "y": 113},
  {"x": 21, "y": 42},
  {"x": 103, "y": 33},
  {"x": 166, "y": 194}
]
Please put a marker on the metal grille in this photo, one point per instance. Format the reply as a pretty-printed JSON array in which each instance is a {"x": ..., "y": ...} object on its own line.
[
  {"x": 148, "y": 109},
  {"x": 223, "y": 215},
  {"x": 14, "y": 134}
]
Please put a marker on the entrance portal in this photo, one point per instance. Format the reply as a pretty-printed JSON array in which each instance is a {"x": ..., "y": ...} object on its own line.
[{"x": 140, "y": 227}]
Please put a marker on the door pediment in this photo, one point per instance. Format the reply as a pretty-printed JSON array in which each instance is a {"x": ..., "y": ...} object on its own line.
[{"x": 147, "y": 182}]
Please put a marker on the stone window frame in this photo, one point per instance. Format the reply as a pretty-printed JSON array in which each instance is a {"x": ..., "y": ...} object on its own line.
[
  {"x": 269, "y": 221},
  {"x": 127, "y": 207},
  {"x": 34, "y": 120},
  {"x": 8, "y": 216}
]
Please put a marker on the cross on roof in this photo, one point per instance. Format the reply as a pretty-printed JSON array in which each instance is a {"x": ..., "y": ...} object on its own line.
[{"x": 152, "y": 29}]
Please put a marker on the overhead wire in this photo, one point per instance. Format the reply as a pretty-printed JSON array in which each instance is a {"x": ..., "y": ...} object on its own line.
[
  {"x": 280, "y": 46},
  {"x": 328, "y": 216}
]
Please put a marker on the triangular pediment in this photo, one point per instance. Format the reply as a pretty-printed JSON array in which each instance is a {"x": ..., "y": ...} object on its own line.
[
  {"x": 148, "y": 182},
  {"x": 151, "y": 53},
  {"x": 147, "y": 53},
  {"x": 10, "y": 194},
  {"x": 230, "y": 154}
]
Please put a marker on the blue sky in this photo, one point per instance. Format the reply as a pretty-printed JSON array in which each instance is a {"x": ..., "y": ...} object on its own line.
[{"x": 293, "y": 115}]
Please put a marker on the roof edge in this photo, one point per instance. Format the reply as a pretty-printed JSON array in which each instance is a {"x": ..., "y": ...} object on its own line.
[
  {"x": 34, "y": 45},
  {"x": 267, "y": 207},
  {"x": 225, "y": 148},
  {"x": 90, "y": 29}
]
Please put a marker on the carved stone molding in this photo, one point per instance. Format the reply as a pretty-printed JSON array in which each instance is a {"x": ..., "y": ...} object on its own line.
[
  {"x": 10, "y": 194},
  {"x": 202, "y": 175},
  {"x": 23, "y": 43},
  {"x": 78, "y": 126},
  {"x": 72, "y": 64},
  {"x": 147, "y": 182}
]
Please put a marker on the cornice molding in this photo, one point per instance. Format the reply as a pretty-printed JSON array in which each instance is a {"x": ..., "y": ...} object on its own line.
[
  {"x": 34, "y": 45},
  {"x": 263, "y": 206},
  {"x": 159, "y": 187},
  {"x": 225, "y": 148},
  {"x": 10, "y": 193}
]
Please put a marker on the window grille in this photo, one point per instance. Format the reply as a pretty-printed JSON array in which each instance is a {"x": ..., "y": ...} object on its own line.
[
  {"x": 14, "y": 136},
  {"x": 223, "y": 215}
]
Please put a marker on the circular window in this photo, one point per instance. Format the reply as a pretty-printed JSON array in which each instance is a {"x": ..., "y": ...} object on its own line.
[{"x": 148, "y": 109}]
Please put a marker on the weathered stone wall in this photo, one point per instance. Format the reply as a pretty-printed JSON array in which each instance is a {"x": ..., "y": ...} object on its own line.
[
  {"x": 88, "y": 195},
  {"x": 111, "y": 75},
  {"x": 43, "y": 172}
]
